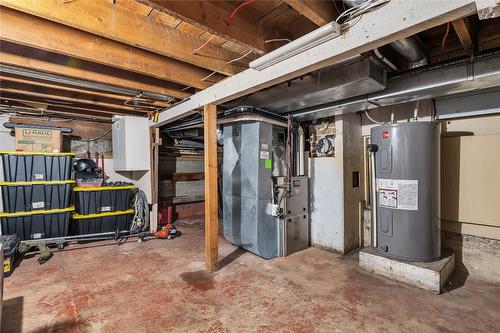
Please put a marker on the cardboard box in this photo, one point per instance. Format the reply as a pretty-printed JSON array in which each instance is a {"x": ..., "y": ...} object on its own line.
[{"x": 38, "y": 140}]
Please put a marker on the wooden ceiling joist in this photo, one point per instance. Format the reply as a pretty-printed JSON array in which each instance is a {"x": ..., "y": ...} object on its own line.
[
  {"x": 317, "y": 11},
  {"x": 211, "y": 16},
  {"x": 18, "y": 27},
  {"x": 97, "y": 110},
  {"x": 22, "y": 56},
  {"x": 66, "y": 96},
  {"x": 463, "y": 30},
  {"x": 53, "y": 111},
  {"x": 105, "y": 19},
  {"x": 36, "y": 83}
]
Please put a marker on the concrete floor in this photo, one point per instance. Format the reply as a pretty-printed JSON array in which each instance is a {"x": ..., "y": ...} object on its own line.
[{"x": 160, "y": 286}]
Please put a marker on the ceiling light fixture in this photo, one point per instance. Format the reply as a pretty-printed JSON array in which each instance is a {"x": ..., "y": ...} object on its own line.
[{"x": 304, "y": 43}]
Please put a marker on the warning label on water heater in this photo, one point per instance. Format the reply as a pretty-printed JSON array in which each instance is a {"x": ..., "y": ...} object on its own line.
[{"x": 398, "y": 193}]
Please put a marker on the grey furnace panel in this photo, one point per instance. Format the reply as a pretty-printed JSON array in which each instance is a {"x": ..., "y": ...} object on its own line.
[{"x": 254, "y": 152}]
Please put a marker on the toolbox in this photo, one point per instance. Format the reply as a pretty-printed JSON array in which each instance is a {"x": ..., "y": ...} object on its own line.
[
  {"x": 103, "y": 222},
  {"x": 95, "y": 200},
  {"x": 37, "y": 224},
  {"x": 40, "y": 195},
  {"x": 35, "y": 166},
  {"x": 10, "y": 245}
]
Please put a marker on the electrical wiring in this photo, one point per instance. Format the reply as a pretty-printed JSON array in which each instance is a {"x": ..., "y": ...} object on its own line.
[
  {"x": 373, "y": 120},
  {"x": 278, "y": 40},
  {"x": 239, "y": 58},
  {"x": 208, "y": 76},
  {"x": 236, "y": 9},
  {"x": 353, "y": 15},
  {"x": 204, "y": 44},
  {"x": 443, "y": 43},
  {"x": 229, "y": 62}
]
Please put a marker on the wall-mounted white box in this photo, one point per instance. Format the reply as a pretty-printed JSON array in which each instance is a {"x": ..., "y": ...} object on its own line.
[{"x": 130, "y": 143}]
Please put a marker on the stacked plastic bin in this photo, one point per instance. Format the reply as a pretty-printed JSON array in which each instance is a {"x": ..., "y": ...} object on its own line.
[
  {"x": 36, "y": 194},
  {"x": 102, "y": 209}
]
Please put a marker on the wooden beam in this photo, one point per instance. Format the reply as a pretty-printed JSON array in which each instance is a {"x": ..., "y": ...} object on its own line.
[
  {"x": 104, "y": 19},
  {"x": 61, "y": 95},
  {"x": 40, "y": 83},
  {"x": 22, "y": 56},
  {"x": 25, "y": 98},
  {"x": 396, "y": 24},
  {"x": 317, "y": 11},
  {"x": 211, "y": 199},
  {"x": 211, "y": 16},
  {"x": 18, "y": 27},
  {"x": 53, "y": 111},
  {"x": 462, "y": 28}
]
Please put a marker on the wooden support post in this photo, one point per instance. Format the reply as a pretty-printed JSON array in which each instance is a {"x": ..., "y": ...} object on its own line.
[{"x": 211, "y": 215}]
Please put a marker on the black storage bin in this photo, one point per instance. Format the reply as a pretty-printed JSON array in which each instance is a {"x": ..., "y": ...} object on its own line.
[
  {"x": 31, "y": 166},
  {"x": 95, "y": 200},
  {"x": 38, "y": 224},
  {"x": 10, "y": 245},
  {"x": 104, "y": 222},
  {"x": 31, "y": 196}
]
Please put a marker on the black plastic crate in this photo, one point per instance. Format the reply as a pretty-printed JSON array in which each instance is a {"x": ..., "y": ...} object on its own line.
[
  {"x": 31, "y": 166},
  {"x": 10, "y": 245},
  {"x": 96, "y": 200},
  {"x": 37, "y": 225},
  {"x": 31, "y": 196},
  {"x": 104, "y": 222}
]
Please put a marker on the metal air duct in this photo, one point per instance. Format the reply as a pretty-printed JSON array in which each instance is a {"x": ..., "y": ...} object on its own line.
[
  {"x": 457, "y": 77},
  {"x": 409, "y": 47}
]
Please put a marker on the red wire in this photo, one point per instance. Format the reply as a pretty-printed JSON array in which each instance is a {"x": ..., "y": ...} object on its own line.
[
  {"x": 236, "y": 9},
  {"x": 445, "y": 36}
]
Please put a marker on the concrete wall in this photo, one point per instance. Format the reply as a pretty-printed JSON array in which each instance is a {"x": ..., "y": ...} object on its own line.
[{"x": 333, "y": 201}]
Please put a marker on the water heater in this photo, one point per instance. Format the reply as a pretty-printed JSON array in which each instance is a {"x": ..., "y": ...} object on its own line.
[{"x": 406, "y": 188}]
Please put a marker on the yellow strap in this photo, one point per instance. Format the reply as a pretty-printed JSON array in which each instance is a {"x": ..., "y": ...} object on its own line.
[
  {"x": 103, "y": 188},
  {"x": 49, "y": 182},
  {"x": 12, "y": 152},
  {"x": 38, "y": 212},
  {"x": 90, "y": 216}
]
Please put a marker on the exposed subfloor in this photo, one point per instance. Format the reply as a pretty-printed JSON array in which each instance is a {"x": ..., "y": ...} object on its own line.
[{"x": 161, "y": 286}]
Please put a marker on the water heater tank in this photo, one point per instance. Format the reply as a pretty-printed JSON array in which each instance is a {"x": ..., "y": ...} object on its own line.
[{"x": 407, "y": 211}]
